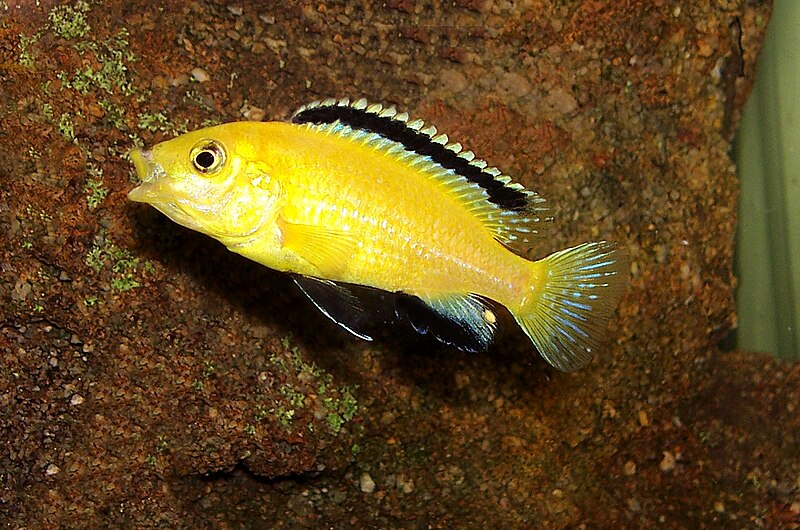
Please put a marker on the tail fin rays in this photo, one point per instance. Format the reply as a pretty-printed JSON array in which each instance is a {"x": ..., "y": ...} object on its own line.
[{"x": 566, "y": 320}]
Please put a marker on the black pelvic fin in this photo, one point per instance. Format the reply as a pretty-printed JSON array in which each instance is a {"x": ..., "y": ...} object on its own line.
[{"x": 336, "y": 302}]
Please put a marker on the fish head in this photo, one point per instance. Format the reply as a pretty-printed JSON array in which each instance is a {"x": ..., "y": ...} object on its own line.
[{"x": 204, "y": 181}]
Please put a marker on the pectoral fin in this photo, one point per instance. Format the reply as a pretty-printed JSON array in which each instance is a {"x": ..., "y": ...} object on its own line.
[{"x": 328, "y": 250}]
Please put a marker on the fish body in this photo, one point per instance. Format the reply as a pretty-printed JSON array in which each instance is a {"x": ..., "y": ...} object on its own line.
[{"x": 356, "y": 194}]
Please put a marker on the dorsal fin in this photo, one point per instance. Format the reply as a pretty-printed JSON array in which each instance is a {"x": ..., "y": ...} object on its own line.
[{"x": 521, "y": 211}]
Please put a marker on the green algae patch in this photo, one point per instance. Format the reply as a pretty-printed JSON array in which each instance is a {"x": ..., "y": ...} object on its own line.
[
  {"x": 69, "y": 21},
  {"x": 337, "y": 405},
  {"x": 121, "y": 265}
]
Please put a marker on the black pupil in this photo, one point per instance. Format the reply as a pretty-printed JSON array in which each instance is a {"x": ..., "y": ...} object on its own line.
[{"x": 205, "y": 159}]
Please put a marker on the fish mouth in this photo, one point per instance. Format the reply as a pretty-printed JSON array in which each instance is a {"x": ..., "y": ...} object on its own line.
[
  {"x": 151, "y": 174},
  {"x": 157, "y": 190}
]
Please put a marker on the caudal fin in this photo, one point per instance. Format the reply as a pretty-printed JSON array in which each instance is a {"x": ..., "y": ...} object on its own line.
[{"x": 568, "y": 317}]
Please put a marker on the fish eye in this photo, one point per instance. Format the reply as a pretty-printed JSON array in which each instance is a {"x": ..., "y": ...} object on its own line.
[{"x": 208, "y": 157}]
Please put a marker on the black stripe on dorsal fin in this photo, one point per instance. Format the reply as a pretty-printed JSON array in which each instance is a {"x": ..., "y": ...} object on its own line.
[{"x": 415, "y": 137}]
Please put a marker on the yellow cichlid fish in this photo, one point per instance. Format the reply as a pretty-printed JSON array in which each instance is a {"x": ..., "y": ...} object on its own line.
[{"x": 353, "y": 194}]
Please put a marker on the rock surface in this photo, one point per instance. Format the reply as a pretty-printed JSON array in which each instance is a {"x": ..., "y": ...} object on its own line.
[{"x": 151, "y": 378}]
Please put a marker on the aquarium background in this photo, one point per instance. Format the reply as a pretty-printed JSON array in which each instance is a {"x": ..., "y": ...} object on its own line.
[
  {"x": 768, "y": 160},
  {"x": 149, "y": 378}
]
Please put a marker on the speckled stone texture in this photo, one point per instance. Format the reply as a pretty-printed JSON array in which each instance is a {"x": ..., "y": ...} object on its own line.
[{"x": 152, "y": 379}]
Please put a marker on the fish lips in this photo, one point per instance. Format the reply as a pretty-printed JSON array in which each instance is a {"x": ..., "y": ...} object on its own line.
[
  {"x": 151, "y": 174},
  {"x": 158, "y": 190}
]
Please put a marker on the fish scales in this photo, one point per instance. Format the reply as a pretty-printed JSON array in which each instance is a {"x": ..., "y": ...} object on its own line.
[
  {"x": 353, "y": 194},
  {"x": 409, "y": 231}
]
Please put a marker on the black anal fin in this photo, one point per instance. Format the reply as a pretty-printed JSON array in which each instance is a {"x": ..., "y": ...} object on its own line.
[
  {"x": 466, "y": 322},
  {"x": 336, "y": 302}
]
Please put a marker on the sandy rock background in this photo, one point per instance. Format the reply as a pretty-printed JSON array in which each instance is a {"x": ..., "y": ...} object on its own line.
[{"x": 151, "y": 378}]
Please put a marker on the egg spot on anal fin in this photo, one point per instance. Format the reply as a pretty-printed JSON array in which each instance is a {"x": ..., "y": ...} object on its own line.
[
  {"x": 514, "y": 214},
  {"x": 465, "y": 321},
  {"x": 328, "y": 250}
]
